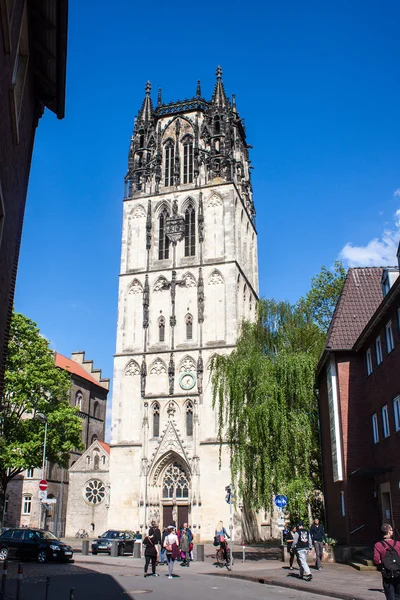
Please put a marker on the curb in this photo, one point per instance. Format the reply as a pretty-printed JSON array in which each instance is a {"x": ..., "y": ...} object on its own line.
[{"x": 292, "y": 585}]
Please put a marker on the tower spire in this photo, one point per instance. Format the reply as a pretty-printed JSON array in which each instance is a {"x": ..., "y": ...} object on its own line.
[
  {"x": 219, "y": 96},
  {"x": 198, "y": 90},
  {"x": 147, "y": 106}
]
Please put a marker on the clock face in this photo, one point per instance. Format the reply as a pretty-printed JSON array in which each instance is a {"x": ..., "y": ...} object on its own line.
[{"x": 187, "y": 381}]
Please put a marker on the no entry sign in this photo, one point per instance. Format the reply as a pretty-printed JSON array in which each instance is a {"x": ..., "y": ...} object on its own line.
[{"x": 43, "y": 485}]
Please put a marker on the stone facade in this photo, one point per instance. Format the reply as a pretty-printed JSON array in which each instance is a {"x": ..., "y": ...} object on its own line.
[
  {"x": 188, "y": 278},
  {"x": 88, "y": 392}
]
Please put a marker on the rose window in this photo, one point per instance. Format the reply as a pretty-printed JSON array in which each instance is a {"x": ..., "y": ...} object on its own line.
[{"x": 95, "y": 491}]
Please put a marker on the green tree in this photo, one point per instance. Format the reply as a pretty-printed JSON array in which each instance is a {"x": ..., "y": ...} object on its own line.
[
  {"x": 33, "y": 384},
  {"x": 264, "y": 394}
]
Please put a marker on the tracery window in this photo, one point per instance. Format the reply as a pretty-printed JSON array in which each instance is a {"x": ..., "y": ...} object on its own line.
[
  {"x": 217, "y": 124},
  {"x": 169, "y": 163},
  {"x": 176, "y": 482},
  {"x": 188, "y": 159},
  {"x": 189, "y": 419},
  {"x": 161, "y": 329},
  {"x": 190, "y": 231},
  {"x": 189, "y": 327},
  {"x": 95, "y": 491},
  {"x": 163, "y": 241},
  {"x": 78, "y": 399},
  {"x": 156, "y": 419}
]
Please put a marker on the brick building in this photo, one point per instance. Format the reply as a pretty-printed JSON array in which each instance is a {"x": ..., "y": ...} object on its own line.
[
  {"x": 358, "y": 382},
  {"x": 33, "y": 46},
  {"x": 89, "y": 393}
]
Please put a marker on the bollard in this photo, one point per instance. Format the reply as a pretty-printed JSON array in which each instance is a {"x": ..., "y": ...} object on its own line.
[
  {"x": 85, "y": 547},
  {"x": 243, "y": 553},
  {"x": 72, "y": 594},
  {"x": 47, "y": 588},
  {"x": 19, "y": 582},
  {"x": 200, "y": 552},
  {"x": 114, "y": 548},
  {"x": 4, "y": 580},
  {"x": 137, "y": 549}
]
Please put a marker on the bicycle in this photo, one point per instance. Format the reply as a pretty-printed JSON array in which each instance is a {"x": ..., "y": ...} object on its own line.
[
  {"x": 81, "y": 533},
  {"x": 220, "y": 557}
]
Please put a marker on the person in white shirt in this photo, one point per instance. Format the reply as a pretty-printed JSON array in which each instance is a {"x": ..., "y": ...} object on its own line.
[{"x": 171, "y": 545}]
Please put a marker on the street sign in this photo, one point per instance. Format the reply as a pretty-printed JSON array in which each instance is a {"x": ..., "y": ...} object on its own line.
[
  {"x": 280, "y": 501},
  {"x": 42, "y": 494},
  {"x": 42, "y": 484}
]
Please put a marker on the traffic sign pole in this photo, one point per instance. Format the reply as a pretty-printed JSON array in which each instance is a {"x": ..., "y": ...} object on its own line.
[{"x": 231, "y": 526}]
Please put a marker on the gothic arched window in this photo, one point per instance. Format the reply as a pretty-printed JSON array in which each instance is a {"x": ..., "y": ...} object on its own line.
[
  {"x": 156, "y": 419},
  {"x": 176, "y": 482},
  {"x": 161, "y": 329},
  {"x": 217, "y": 124},
  {"x": 189, "y": 419},
  {"x": 189, "y": 327},
  {"x": 163, "y": 241},
  {"x": 190, "y": 231},
  {"x": 188, "y": 159},
  {"x": 96, "y": 410},
  {"x": 94, "y": 437},
  {"x": 169, "y": 163},
  {"x": 78, "y": 399}
]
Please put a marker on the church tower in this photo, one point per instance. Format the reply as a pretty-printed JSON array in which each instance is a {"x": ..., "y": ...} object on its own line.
[{"x": 189, "y": 276}]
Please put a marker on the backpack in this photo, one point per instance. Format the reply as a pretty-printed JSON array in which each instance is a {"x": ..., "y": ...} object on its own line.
[
  {"x": 391, "y": 561},
  {"x": 303, "y": 541}
]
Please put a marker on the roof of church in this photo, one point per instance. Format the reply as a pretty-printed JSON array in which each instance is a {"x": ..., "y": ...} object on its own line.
[
  {"x": 105, "y": 446},
  {"x": 68, "y": 364},
  {"x": 361, "y": 296}
]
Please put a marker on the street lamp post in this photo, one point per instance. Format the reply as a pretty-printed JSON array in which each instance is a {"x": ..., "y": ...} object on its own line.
[{"x": 41, "y": 417}]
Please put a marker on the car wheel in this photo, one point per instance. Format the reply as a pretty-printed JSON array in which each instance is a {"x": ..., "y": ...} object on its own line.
[
  {"x": 94, "y": 552},
  {"x": 3, "y": 553},
  {"x": 42, "y": 556}
]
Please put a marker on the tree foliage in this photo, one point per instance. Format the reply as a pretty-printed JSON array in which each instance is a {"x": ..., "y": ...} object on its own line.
[
  {"x": 33, "y": 384},
  {"x": 264, "y": 393}
]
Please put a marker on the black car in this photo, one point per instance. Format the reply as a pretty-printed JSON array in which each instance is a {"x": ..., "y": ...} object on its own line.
[
  {"x": 125, "y": 540},
  {"x": 33, "y": 543}
]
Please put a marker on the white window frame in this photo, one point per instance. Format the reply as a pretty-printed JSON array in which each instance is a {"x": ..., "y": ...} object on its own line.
[
  {"x": 396, "y": 412},
  {"x": 378, "y": 350},
  {"x": 385, "y": 421},
  {"x": 375, "y": 428},
  {"x": 334, "y": 420},
  {"x": 389, "y": 337},
  {"x": 368, "y": 360},
  {"x": 27, "y": 504},
  {"x": 29, "y": 473}
]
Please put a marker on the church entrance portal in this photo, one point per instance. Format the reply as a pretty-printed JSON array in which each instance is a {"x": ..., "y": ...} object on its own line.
[
  {"x": 175, "y": 496},
  {"x": 181, "y": 512}
]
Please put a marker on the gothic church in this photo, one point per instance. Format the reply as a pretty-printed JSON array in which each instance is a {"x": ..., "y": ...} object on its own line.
[{"x": 189, "y": 276}]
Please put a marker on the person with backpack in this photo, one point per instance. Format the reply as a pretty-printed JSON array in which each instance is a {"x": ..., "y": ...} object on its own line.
[
  {"x": 171, "y": 545},
  {"x": 302, "y": 544},
  {"x": 387, "y": 556}
]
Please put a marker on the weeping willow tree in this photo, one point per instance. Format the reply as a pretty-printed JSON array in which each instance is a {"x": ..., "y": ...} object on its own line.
[{"x": 267, "y": 411}]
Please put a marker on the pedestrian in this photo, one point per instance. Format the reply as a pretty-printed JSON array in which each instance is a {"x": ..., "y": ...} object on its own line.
[
  {"x": 387, "y": 556},
  {"x": 221, "y": 536},
  {"x": 185, "y": 547},
  {"x": 156, "y": 533},
  {"x": 163, "y": 560},
  {"x": 288, "y": 534},
  {"x": 319, "y": 539},
  {"x": 302, "y": 544},
  {"x": 171, "y": 545},
  {"x": 150, "y": 554}
]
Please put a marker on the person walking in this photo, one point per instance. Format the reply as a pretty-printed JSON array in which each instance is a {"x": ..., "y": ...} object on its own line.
[
  {"x": 150, "y": 555},
  {"x": 171, "y": 545},
  {"x": 387, "y": 556},
  {"x": 302, "y": 544},
  {"x": 163, "y": 560},
  {"x": 288, "y": 538},
  {"x": 184, "y": 546},
  {"x": 156, "y": 533},
  {"x": 319, "y": 539},
  {"x": 190, "y": 536},
  {"x": 222, "y": 535}
]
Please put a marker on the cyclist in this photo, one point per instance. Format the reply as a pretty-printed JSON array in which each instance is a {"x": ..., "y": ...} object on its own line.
[{"x": 221, "y": 533}]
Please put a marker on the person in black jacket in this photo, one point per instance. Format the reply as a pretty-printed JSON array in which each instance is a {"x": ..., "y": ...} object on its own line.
[
  {"x": 319, "y": 539},
  {"x": 150, "y": 554}
]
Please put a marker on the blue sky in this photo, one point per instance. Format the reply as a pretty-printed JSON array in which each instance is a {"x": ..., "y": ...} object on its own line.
[{"x": 318, "y": 86}]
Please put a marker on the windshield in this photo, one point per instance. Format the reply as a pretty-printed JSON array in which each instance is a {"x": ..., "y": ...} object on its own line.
[
  {"x": 46, "y": 535},
  {"x": 113, "y": 535}
]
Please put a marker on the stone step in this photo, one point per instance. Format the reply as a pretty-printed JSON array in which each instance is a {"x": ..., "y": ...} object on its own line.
[
  {"x": 364, "y": 561},
  {"x": 361, "y": 567}
]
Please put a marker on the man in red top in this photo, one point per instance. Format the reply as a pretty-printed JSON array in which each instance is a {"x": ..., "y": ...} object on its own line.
[{"x": 391, "y": 585}]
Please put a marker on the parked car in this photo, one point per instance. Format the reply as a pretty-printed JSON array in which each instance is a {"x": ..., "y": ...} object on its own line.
[
  {"x": 33, "y": 543},
  {"x": 125, "y": 539}
]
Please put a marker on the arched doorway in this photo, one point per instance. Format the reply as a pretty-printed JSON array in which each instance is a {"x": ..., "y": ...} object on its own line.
[{"x": 175, "y": 494}]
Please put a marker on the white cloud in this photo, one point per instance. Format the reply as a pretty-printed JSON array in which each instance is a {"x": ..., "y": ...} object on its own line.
[
  {"x": 396, "y": 193},
  {"x": 378, "y": 252}
]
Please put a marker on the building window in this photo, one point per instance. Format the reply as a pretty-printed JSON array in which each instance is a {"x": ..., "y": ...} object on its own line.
[
  {"x": 188, "y": 160},
  {"x": 189, "y": 327},
  {"x": 79, "y": 400},
  {"x": 169, "y": 152},
  {"x": 94, "y": 491},
  {"x": 389, "y": 337},
  {"x": 378, "y": 350},
  {"x": 29, "y": 473},
  {"x": 342, "y": 506},
  {"x": 217, "y": 124},
  {"x": 385, "y": 421},
  {"x": 396, "y": 410},
  {"x": 375, "y": 430},
  {"x": 161, "y": 329},
  {"x": 163, "y": 241},
  {"x": 368, "y": 360},
  {"x": 96, "y": 410},
  {"x": 27, "y": 505},
  {"x": 189, "y": 419},
  {"x": 176, "y": 482},
  {"x": 5, "y": 506},
  {"x": 94, "y": 438},
  {"x": 190, "y": 231},
  {"x": 156, "y": 420}
]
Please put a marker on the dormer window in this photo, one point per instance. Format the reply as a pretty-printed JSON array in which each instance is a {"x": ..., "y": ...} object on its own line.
[
  {"x": 385, "y": 283},
  {"x": 389, "y": 276}
]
